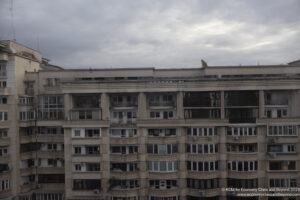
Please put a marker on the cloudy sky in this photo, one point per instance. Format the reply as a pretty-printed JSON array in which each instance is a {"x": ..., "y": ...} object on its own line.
[{"x": 156, "y": 33}]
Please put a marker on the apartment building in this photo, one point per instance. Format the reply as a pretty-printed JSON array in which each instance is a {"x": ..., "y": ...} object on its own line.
[{"x": 146, "y": 133}]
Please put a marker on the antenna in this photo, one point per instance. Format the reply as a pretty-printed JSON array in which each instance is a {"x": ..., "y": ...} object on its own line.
[{"x": 12, "y": 19}]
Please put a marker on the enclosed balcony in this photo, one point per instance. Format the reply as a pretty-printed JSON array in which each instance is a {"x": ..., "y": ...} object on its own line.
[
  {"x": 161, "y": 100},
  {"x": 280, "y": 104},
  {"x": 85, "y": 114},
  {"x": 123, "y": 116},
  {"x": 202, "y": 105},
  {"x": 51, "y": 107},
  {"x": 241, "y": 106},
  {"x": 86, "y": 101},
  {"x": 123, "y": 100}
]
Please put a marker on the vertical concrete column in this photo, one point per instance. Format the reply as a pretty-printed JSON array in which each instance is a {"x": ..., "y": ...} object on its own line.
[
  {"x": 143, "y": 175},
  {"x": 105, "y": 160},
  {"x": 68, "y": 104},
  {"x": 297, "y": 102},
  {"x": 261, "y": 156},
  {"x": 68, "y": 162},
  {"x": 261, "y": 104},
  {"x": 180, "y": 111},
  {"x": 182, "y": 160},
  {"x": 223, "y": 159},
  {"x": 222, "y": 105},
  {"x": 105, "y": 106},
  {"x": 142, "y": 106},
  {"x": 14, "y": 145}
]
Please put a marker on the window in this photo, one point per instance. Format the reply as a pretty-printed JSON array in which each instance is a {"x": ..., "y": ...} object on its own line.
[
  {"x": 126, "y": 133},
  {"x": 124, "y": 166},
  {"x": 52, "y": 162},
  {"x": 275, "y": 165},
  {"x": 86, "y": 184},
  {"x": 52, "y": 147},
  {"x": 3, "y": 133},
  {"x": 202, "y": 132},
  {"x": 202, "y": 148},
  {"x": 169, "y": 132},
  {"x": 202, "y": 183},
  {"x": 242, "y": 148},
  {"x": 242, "y": 166},
  {"x": 92, "y": 150},
  {"x": 162, "y": 149},
  {"x": 87, "y": 167},
  {"x": 86, "y": 133},
  {"x": 281, "y": 148},
  {"x": 283, "y": 182},
  {"x": 3, "y": 116},
  {"x": 242, "y": 183},
  {"x": 291, "y": 165},
  {"x": 92, "y": 133},
  {"x": 124, "y": 149},
  {"x": 51, "y": 131},
  {"x": 162, "y": 114},
  {"x": 162, "y": 166},
  {"x": 162, "y": 184},
  {"x": 241, "y": 131},
  {"x": 124, "y": 184},
  {"x": 52, "y": 82},
  {"x": 51, "y": 107},
  {"x": 26, "y": 100},
  {"x": 202, "y": 166},
  {"x": 4, "y": 185},
  {"x": 123, "y": 117},
  {"x": 276, "y": 112},
  {"x": 3, "y": 151},
  {"x": 77, "y": 133},
  {"x": 3, "y": 100},
  {"x": 77, "y": 150},
  {"x": 289, "y": 130},
  {"x": 2, "y": 84},
  {"x": 27, "y": 115}
]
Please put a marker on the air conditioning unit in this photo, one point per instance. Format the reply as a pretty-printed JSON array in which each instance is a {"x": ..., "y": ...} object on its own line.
[
  {"x": 201, "y": 193},
  {"x": 236, "y": 137},
  {"x": 96, "y": 191}
]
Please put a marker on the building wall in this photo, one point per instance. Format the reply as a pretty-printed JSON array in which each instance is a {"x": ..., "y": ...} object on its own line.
[{"x": 141, "y": 83}]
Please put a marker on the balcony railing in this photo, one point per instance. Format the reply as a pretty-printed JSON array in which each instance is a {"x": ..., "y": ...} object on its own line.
[
  {"x": 124, "y": 121},
  {"x": 124, "y": 104},
  {"x": 242, "y": 120},
  {"x": 162, "y": 103},
  {"x": 85, "y": 115}
]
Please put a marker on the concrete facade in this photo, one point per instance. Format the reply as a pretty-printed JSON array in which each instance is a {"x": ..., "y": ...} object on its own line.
[{"x": 146, "y": 133}]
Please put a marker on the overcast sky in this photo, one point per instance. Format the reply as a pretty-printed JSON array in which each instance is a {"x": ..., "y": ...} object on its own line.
[{"x": 156, "y": 33}]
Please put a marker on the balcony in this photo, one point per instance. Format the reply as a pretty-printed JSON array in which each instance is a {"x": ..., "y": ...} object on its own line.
[
  {"x": 161, "y": 100},
  {"x": 85, "y": 114},
  {"x": 123, "y": 100},
  {"x": 241, "y": 115},
  {"x": 280, "y": 104},
  {"x": 202, "y": 99},
  {"x": 89, "y": 101}
]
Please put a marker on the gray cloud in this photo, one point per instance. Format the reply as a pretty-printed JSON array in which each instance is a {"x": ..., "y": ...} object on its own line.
[{"x": 119, "y": 33}]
